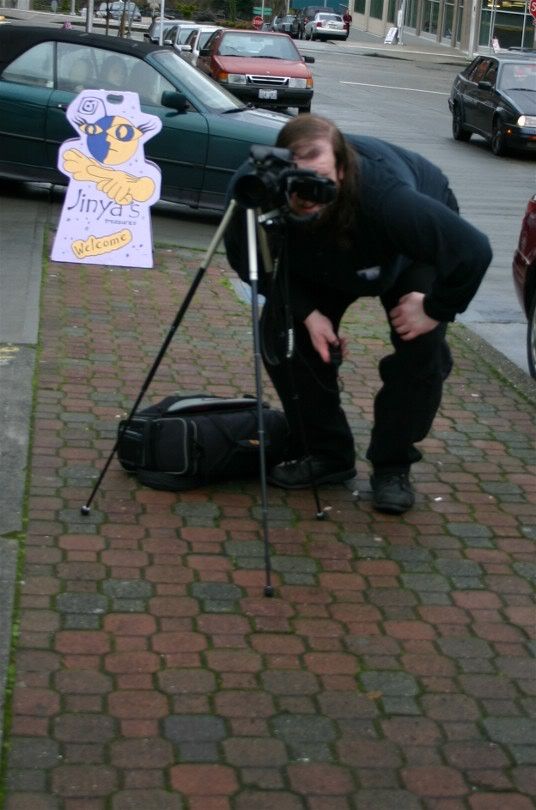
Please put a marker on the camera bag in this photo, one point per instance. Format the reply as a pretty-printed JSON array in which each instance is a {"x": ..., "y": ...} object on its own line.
[{"x": 184, "y": 442}]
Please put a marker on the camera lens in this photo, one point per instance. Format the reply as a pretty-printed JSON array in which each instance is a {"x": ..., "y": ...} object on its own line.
[{"x": 251, "y": 192}]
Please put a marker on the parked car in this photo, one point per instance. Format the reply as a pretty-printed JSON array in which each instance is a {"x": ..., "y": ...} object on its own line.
[
  {"x": 206, "y": 132},
  {"x": 524, "y": 272},
  {"x": 197, "y": 39},
  {"x": 152, "y": 34},
  {"x": 132, "y": 11},
  {"x": 286, "y": 25},
  {"x": 305, "y": 14},
  {"x": 495, "y": 97},
  {"x": 326, "y": 26},
  {"x": 262, "y": 68},
  {"x": 104, "y": 10},
  {"x": 177, "y": 36}
]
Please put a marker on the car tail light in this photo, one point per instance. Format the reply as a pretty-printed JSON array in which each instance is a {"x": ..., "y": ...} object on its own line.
[
  {"x": 319, "y": 24},
  {"x": 221, "y": 75}
]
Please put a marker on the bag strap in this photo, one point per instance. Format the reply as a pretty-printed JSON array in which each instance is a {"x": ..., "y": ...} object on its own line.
[{"x": 200, "y": 404}]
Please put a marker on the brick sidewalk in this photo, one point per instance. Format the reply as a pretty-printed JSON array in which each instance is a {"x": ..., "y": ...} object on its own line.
[{"x": 393, "y": 669}]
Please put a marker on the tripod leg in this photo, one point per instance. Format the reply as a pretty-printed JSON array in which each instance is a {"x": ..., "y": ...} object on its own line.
[
  {"x": 254, "y": 277},
  {"x": 216, "y": 239}
]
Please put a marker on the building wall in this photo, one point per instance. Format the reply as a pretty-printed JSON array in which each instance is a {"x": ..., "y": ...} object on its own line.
[{"x": 465, "y": 24}]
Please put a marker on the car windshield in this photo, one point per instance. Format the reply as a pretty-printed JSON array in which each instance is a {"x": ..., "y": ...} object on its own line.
[
  {"x": 520, "y": 76},
  {"x": 195, "y": 84},
  {"x": 329, "y": 17},
  {"x": 261, "y": 45},
  {"x": 288, "y": 19}
]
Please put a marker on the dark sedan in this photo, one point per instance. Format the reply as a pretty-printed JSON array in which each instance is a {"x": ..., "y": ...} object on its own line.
[
  {"x": 206, "y": 132},
  {"x": 524, "y": 270},
  {"x": 495, "y": 97}
]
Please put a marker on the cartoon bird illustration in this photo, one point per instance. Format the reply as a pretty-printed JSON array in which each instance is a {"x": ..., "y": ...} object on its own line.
[{"x": 111, "y": 140}]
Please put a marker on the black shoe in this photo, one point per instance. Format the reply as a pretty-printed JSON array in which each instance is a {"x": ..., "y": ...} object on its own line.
[
  {"x": 302, "y": 473},
  {"x": 392, "y": 492}
]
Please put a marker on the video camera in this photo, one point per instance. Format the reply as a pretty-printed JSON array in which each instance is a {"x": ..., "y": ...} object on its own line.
[{"x": 274, "y": 176}]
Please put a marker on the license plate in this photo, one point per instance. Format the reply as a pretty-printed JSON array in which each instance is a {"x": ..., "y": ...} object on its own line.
[{"x": 272, "y": 94}]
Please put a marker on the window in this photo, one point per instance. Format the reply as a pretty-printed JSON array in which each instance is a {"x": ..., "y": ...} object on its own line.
[{"x": 35, "y": 67}]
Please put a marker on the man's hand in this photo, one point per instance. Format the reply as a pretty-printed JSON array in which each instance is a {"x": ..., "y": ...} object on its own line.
[
  {"x": 323, "y": 335},
  {"x": 409, "y": 318}
]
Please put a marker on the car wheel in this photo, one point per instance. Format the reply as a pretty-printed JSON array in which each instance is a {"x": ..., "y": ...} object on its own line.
[
  {"x": 531, "y": 339},
  {"x": 459, "y": 133},
  {"x": 498, "y": 143}
]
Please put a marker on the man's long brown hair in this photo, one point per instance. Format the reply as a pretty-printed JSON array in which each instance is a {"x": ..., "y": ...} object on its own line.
[{"x": 341, "y": 214}]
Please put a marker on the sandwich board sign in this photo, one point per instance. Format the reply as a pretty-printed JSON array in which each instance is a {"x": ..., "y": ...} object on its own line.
[{"x": 105, "y": 216}]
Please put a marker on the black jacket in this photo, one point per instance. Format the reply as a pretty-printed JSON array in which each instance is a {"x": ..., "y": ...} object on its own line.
[{"x": 405, "y": 213}]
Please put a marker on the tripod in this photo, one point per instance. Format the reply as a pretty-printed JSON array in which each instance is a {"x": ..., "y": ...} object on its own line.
[{"x": 252, "y": 242}]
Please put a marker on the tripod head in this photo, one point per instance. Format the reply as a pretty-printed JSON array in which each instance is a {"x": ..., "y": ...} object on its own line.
[{"x": 272, "y": 177}]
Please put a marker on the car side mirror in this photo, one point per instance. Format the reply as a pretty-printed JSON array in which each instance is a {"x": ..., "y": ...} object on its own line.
[
  {"x": 485, "y": 85},
  {"x": 184, "y": 48},
  {"x": 309, "y": 59},
  {"x": 168, "y": 42},
  {"x": 174, "y": 100}
]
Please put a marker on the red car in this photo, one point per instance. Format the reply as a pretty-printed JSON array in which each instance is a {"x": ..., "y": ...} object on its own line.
[
  {"x": 524, "y": 270},
  {"x": 259, "y": 67}
]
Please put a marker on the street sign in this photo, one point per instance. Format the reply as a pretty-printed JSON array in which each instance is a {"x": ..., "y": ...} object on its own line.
[
  {"x": 262, "y": 10},
  {"x": 532, "y": 8}
]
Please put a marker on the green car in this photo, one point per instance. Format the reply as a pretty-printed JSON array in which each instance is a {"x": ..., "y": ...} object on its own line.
[{"x": 206, "y": 132}]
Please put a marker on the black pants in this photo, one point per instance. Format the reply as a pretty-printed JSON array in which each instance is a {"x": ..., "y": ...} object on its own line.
[{"x": 405, "y": 406}]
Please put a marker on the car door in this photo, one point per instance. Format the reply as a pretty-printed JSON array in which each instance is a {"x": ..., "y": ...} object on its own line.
[
  {"x": 486, "y": 98},
  {"x": 471, "y": 93},
  {"x": 204, "y": 60},
  {"x": 25, "y": 89},
  {"x": 180, "y": 148}
]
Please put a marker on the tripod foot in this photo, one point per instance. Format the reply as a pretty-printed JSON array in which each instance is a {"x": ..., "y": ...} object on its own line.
[
  {"x": 85, "y": 510},
  {"x": 268, "y": 590},
  {"x": 321, "y": 515}
]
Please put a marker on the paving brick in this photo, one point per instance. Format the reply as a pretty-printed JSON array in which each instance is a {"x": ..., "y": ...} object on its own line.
[
  {"x": 244, "y": 704},
  {"x": 143, "y": 753},
  {"x": 320, "y": 779},
  {"x": 264, "y": 800},
  {"x": 489, "y": 801},
  {"x": 412, "y": 730},
  {"x": 248, "y": 752},
  {"x": 369, "y": 753},
  {"x": 290, "y": 683},
  {"x": 450, "y": 707},
  {"x": 511, "y": 730},
  {"x": 37, "y": 702},
  {"x": 389, "y": 683},
  {"x": 84, "y": 728},
  {"x": 438, "y": 781},
  {"x": 88, "y": 780},
  {"x": 148, "y": 799},
  {"x": 31, "y": 801},
  {"x": 387, "y": 800},
  {"x": 137, "y": 704},
  {"x": 203, "y": 780}
]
